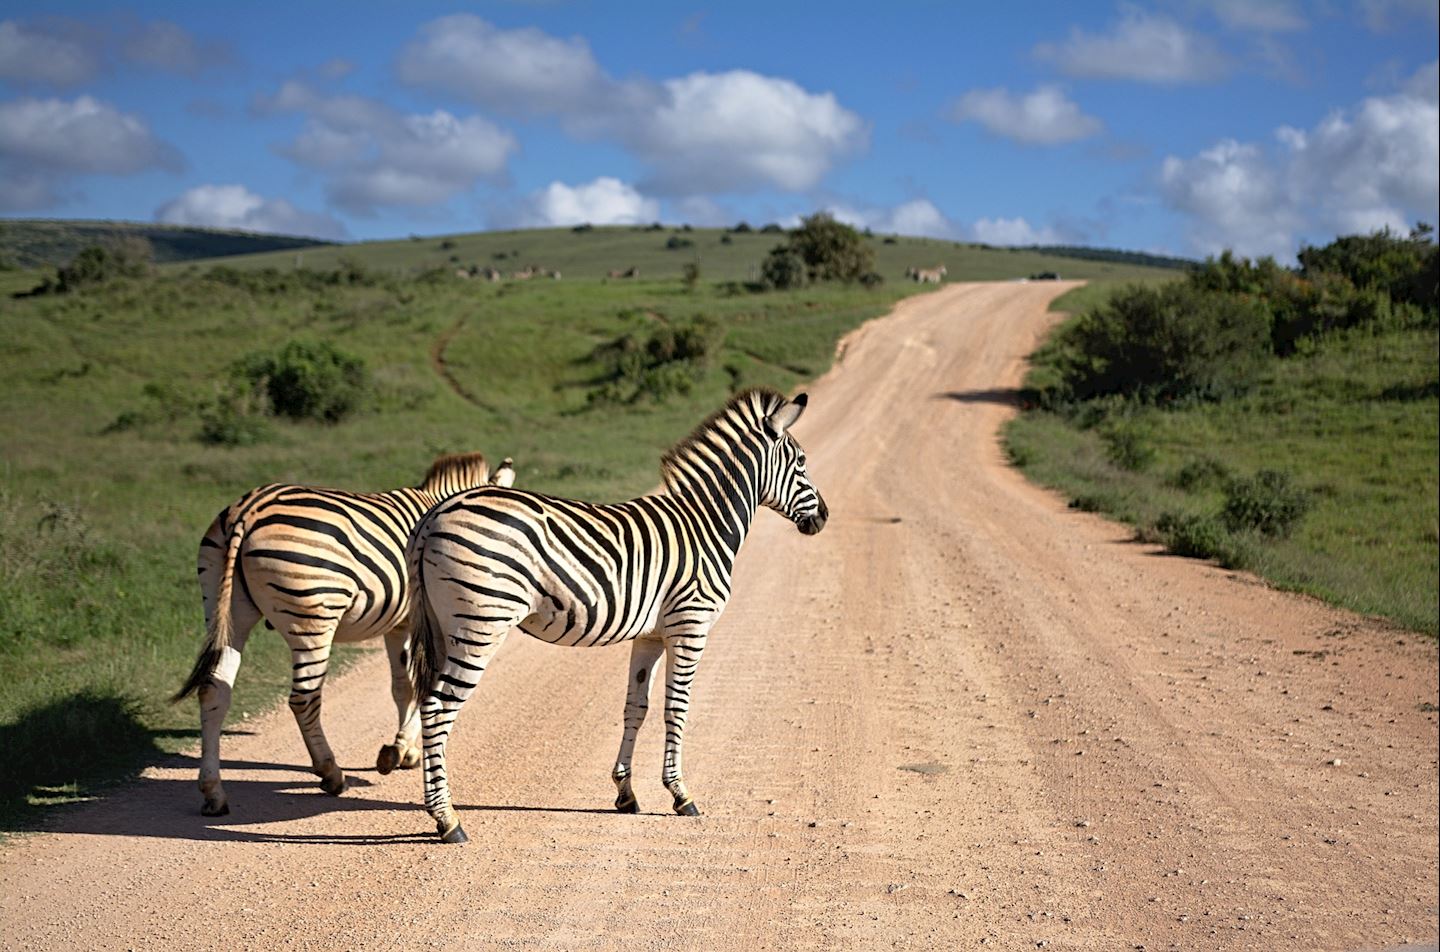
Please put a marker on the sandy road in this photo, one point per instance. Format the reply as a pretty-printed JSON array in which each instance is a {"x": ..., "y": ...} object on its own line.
[{"x": 961, "y": 715}]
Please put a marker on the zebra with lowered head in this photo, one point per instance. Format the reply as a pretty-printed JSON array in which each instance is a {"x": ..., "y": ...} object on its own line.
[
  {"x": 654, "y": 571},
  {"x": 319, "y": 566}
]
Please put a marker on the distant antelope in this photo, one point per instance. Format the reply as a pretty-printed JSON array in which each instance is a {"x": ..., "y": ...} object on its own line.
[
  {"x": 631, "y": 272},
  {"x": 320, "y": 566},
  {"x": 524, "y": 275}
]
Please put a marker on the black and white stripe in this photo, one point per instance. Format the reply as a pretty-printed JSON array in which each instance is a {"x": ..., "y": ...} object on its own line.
[
  {"x": 654, "y": 571},
  {"x": 319, "y": 566}
]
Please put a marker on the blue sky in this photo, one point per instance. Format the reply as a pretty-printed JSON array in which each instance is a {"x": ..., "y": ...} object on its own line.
[{"x": 1182, "y": 126}]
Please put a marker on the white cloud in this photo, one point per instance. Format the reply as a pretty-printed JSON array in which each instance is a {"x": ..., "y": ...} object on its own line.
[
  {"x": 378, "y": 157},
  {"x": 1044, "y": 117},
  {"x": 1260, "y": 16},
  {"x": 45, "y": 142},
  {"x": 1012, "y": 231},
  {"x": 515, "y": 71},
  {"x": 605, "y": 201},
  {"x": 1143, "y": 47},
  {"x": 1358, "y": 170},
  {"x": 918, "y": 217},
  {"x": 32, "y": 55},
  {"x": 704, "y": 132},
  {"x": 235, "y": 206},
  {"x": 165, "y": 46},
  {"x": 739, "y": 130}
]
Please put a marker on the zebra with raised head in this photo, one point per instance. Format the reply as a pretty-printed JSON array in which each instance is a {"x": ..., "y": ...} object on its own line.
[
  {"x": 654, "y": 571},
  {"x": 319, "y": 566}
]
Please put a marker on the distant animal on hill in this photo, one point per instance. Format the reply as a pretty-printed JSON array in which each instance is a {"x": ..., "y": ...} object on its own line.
[
  {"x": 319, "y": 566},
  {"x": 927, "y": 275},
  {"x": 631, "y": 272}
]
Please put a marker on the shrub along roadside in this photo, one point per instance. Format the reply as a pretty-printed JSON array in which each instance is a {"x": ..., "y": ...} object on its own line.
[{"x": 1294, "y": 433}]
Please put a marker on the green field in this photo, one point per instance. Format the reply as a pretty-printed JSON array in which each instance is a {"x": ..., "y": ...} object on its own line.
[
  {"x": 1353, "y": 418},
  {"x": 106, "y": 488}
]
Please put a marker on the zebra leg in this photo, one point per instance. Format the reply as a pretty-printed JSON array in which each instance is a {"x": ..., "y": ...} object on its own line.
[
  {"x": 310, "y": 654},
  {"x": 644, "y": 653},
  {"x": 454, "y": 682},
  {"x": 215, "y": 704},
  {"x": 682, "y": 656},
  {"x": 404, "y": 752}
]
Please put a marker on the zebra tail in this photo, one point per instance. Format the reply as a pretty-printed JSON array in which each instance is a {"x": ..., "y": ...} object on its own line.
[
  {"x": 424, "y": 632},
  {"x": 221, "y": 630}
]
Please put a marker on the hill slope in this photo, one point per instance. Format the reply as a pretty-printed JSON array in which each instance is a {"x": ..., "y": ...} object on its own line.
[{"x": 34, "y": 243}]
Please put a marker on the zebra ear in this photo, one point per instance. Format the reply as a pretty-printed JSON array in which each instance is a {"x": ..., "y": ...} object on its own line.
[{"x": 785, "y": 416}]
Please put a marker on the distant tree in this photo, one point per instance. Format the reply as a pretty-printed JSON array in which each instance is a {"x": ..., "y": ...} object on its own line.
[{"x": 831, "y": 250}]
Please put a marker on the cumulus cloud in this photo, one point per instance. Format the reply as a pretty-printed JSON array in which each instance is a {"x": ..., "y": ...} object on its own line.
[
  {"x": 378, "y": 157},
  {"x": 235, "y": 206},
  {"x": 1358, "y": 170},
  {"x": 1145, "y": 47},
  {"x": 46, "y": 142},
  {"x": 165, "y": 46},
  {"x": 604, "y": 201},
  {"x": 515, "y": 71},
  {"x": 1043, "y": 117},
  {"x": 918, "y": 217},
  {"x": 56, "y": 57},
  {"x": 704, "y": 132},
  {"x": 1012, "y": 231}
]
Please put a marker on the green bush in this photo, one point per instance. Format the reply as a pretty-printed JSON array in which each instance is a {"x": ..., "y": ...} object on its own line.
[
  {"x": 235, "y": 417},
  {"x": 832, "y": 251},
  {"x": 1268, "y": 503},
  {"x": 1162, "y": 344},
  {"x": 1128, "y": 447},
  {"x": 1196, "y": 536},
  {"x": 1204, "y": 472},
  {"x": 783, "y": 269},
  {"x": 667, "y": 363},
  {"x": 307, "y": 380}
]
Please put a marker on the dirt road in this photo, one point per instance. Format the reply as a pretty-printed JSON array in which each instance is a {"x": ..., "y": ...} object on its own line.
[{"x": 962, "y": 715}]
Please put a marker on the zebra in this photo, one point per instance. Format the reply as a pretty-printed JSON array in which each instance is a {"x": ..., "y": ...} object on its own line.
[
  {"x": 654, "y": 571},
  {"x": 319, "y": 565},
  {"x": 927, "y": 275}
]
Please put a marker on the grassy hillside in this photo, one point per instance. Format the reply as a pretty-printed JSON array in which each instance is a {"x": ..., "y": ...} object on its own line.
[
  {"x": 722, "y": 255},
  {"x": 35, "y": 243}
]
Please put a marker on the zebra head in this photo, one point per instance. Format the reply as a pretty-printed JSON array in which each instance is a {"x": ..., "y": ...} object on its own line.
[{"x": 785, "y": 486}]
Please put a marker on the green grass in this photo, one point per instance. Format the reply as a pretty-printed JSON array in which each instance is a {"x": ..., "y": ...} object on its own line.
[{"x": 1352, "y": 418}]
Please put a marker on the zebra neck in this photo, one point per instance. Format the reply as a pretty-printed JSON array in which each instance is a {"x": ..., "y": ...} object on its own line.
[{"x": 718, "y": 493}]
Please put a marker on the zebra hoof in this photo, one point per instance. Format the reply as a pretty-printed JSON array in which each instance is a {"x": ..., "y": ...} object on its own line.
[
  {"x": 388, "y": 758},
  {"x": 456, "y": 834},
  {"x": 211, "y": 808},
  {"x": 687, "y": 808},
  {"x": 411, "y": 760},
  {"x": 627, "y": 805},
  {"x": 333, "y": 784}
]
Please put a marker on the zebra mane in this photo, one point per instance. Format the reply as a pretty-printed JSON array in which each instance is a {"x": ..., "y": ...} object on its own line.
[
  {"x": 751, "y": 406},
  {"x": 457, "y": 471}
]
